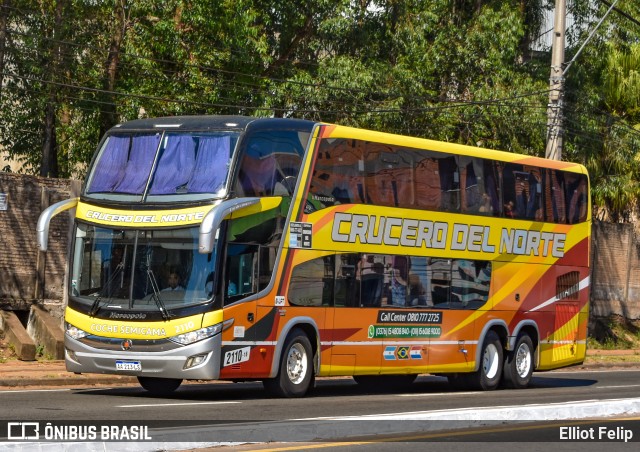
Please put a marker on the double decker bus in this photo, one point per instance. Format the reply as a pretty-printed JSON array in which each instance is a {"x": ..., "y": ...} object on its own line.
[{"x": 281, "y": 250}]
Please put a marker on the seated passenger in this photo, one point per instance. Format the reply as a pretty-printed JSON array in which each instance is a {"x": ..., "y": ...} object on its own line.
[
  {"x": 399, "y": 282},
  {"x": 174, "y": 282}
]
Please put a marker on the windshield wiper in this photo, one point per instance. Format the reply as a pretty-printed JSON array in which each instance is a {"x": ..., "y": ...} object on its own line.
[
  {"x": 156, "y": 294},
  {"x": 95, "y": 307}
]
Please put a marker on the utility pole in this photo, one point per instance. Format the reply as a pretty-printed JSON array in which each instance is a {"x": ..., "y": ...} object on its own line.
[
  {"x": 556, "y": 85},
  {"x": 556, "y": 82}
]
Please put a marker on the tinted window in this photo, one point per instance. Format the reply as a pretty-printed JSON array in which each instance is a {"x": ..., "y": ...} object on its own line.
[
  {"x": 270, "y": 163},
  {"x": 440, "y": 270},
  {"x": 469, "y": 283},
  {"x": 370, "y": 276},
  {"x": 389, "y": 176},
  {"x": 312, "y": 283},
  {"x": 241, "y": 271},
  {"x": 352, "y": 171},
  {"x": 347, "y": 291},
  {"x": 479, "y": 189},
  {"x": 556, "y": 204},
  {"x": 437, "y": 181},
  {"x": 372, "y": 280},
  {"x": 338, "y": 174},
  {"x": 576, "y": 197}
]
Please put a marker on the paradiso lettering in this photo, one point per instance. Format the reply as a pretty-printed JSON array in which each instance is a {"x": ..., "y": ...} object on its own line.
[{"x": 381, "y": 230}]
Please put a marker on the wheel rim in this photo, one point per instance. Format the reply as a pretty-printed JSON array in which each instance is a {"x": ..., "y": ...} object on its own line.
[
  {"x": 490, "y": 362},
  {"x": 297, "y": 363},
  {"x": 523, "y": 361}
]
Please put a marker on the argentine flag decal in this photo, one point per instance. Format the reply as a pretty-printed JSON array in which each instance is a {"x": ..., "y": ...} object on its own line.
[{"x": 389, "y": 353}]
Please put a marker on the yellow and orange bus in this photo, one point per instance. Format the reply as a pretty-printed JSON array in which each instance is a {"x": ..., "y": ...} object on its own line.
[{"x": 237, "y": 248}]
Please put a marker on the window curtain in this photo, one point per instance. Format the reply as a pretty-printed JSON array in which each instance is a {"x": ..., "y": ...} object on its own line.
[
  {"x": 175, "y": 166},
  {"x": 136, "y": 172},
  {"x": 211, "y": 165},
  {"x": 109, "y": 170}
]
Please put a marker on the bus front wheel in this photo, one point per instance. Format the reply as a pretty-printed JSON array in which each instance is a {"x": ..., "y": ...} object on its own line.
[
  {"x": 518, "y": 365},
  {"x": 488, "y": 375},
  {"x": 295, "y": 374},
  {"x": 159, "y": 386}
]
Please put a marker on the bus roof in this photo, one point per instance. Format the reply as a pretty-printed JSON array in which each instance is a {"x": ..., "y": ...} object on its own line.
[
  {"x": 237, "y": 122},
  {"x": 212, "y": 122},
  {"x": 336, "y": 131}
]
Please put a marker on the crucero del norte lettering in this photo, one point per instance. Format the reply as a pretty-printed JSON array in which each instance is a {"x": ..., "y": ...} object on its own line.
[{"x": 409, "y": 232}]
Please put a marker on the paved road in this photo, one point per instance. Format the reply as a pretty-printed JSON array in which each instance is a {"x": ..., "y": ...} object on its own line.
[{"x": 199, "y": 414}]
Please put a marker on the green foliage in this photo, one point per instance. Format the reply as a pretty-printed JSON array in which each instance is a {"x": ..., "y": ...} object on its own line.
[{"x": 455, "y": 70}]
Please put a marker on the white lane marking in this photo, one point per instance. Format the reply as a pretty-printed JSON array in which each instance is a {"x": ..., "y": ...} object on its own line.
[
  {"x": 618, "y": 386},
  {"x": 582, "y": 371},
  {"x": 17, "y": 391},
  {"x": 174, "y": 404},
  {"x": 549, "y": 411},
  {"x": 439, "y": 394}
]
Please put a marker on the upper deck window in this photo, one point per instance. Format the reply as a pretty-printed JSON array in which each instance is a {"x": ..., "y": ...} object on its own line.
[
  {"x": 160, "y": 165},
  {"x": 351, "y": 171},
  {"x": 124, "y": 164},
  {"x": 270, "y": 163}
]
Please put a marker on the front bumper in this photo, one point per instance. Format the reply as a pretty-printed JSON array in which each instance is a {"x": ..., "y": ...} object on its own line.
[{"x": 164, "y": 363}]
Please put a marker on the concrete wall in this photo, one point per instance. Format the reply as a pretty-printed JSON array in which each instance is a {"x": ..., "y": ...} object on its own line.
[
  {"x": 615, "y": 270},
  {"x": 26, "y": 275}
]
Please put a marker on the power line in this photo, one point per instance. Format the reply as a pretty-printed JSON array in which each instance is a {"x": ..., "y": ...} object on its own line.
[{"x": 622, "y": 13}]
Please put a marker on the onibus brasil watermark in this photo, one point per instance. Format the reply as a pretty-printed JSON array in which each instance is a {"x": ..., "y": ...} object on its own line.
[{"x": 68, "y": 431}]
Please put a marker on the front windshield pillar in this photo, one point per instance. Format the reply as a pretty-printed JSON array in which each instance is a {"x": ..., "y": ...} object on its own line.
[{"x": 133, "y": 265}]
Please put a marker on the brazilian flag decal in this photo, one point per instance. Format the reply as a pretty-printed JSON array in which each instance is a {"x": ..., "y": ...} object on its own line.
[{"x": 403, "y": 352}]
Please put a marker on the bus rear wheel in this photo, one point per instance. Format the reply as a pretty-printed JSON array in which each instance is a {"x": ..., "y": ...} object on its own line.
[
  {"x": 489, "y": 373},
  {"x": 295, "y": 374},
  {"x": 159, "y": 386},
  {"x": 518, "y": 365}
]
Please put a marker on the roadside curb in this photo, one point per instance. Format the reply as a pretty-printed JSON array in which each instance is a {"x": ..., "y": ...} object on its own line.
[
  {"x": 52, "y": 373},
  {"x": 27, "y": 382}
]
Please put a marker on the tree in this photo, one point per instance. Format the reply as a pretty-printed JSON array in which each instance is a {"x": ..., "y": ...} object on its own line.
[{"x": 454, "y": 70}]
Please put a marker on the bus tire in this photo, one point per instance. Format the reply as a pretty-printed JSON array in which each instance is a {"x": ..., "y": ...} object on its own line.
[
  {"x": 518, "y": 365},
  {"x": 489, "y": 373},
  {"x": 159, "y": 386},
  {"x": 295, "y": 374}
]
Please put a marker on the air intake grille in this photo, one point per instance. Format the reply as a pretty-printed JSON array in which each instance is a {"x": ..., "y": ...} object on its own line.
[{"x": 567, "y": 286}]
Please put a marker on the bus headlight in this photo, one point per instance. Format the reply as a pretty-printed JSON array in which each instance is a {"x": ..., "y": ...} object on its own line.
[
  {"x": 197, "y": 335},
  {"x": 75, "y": 332}
]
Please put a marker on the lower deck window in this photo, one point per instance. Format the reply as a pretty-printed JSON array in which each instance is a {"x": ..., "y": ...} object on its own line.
[{"x": 375, "y": 280}]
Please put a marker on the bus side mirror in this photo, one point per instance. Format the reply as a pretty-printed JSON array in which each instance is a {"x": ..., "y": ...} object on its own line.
[
  {"x": 212, "y": 220},
  {"x": 42, "y": 230}
]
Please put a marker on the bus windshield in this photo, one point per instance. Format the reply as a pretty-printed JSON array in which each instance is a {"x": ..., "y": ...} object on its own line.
[
  {"x": 149, "y": 270},
  {"x": 162, "y": 166}
]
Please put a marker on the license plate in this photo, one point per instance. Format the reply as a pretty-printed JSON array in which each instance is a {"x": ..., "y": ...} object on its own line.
[
  {"x": 237, "y": 356},
  {"x": 128, "y": 365}
]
